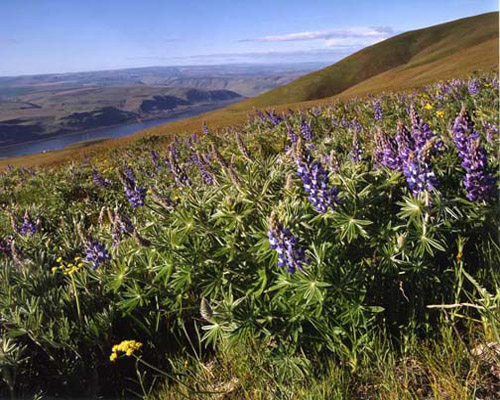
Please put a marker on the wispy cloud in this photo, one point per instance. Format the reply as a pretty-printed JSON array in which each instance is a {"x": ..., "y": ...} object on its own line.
[
  {"x": 326, "y": 54},
  {"x": 343, "y": 33}
]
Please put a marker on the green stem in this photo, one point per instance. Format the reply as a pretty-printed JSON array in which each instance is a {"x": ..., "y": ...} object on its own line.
[{"x": 77, "y": 299}]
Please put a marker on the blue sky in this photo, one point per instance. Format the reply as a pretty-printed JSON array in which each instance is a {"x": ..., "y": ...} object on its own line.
[{"x": 45, "y": 36}]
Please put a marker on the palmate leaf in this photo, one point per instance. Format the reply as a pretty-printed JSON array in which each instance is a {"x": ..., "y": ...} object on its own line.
[
  {"x": 350, "y": 227},
  {"x": 411, "y": 208}
]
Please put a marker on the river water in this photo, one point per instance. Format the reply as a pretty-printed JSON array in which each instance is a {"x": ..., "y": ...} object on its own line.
[{"x": 60, "y": 142}]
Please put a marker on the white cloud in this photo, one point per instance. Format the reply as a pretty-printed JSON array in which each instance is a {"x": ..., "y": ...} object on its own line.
[{"x": 347, "y": 33}]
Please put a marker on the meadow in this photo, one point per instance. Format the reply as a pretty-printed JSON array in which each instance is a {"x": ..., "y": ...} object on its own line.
[{"x": 348, "y": 250}]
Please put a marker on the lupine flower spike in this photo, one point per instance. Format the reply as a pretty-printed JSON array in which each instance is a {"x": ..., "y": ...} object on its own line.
[{"x": 290, "y": 255}]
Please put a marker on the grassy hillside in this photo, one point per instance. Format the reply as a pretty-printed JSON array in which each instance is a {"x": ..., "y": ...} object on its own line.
[{"x": 415, "y": 57}]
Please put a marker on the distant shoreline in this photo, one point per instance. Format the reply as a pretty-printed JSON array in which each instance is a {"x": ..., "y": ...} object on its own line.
[{"x": 175, "y": 115}]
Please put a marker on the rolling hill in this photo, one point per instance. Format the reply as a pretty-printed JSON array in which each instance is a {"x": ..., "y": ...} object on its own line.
[{"x": 407, "y": 60}]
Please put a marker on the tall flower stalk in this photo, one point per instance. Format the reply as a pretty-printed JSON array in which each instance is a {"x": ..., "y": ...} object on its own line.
[
  {"x": 315, "y": 180},
  {"x": 290, "y": 255},
  {"x": 478, "y": 183}
]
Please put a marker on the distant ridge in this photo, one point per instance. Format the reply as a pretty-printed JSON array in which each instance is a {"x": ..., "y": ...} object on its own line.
[{"x": 406, "y": 60}]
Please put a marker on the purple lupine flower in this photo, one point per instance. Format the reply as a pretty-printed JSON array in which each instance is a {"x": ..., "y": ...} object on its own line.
[
  {"x": 455, "y": 83},
  {"x": 205, "y": 129},
  {"x": 28, "y": 228},
  {"x": 261, "y": 116},
  {"x": 415, "y": 161},
  {"x": 135, "y": 194},
  {"x": 421, "y": 132},
  {"x": 315, "y": 181},
  {"x": 406, "y": 144},
  {"x": 290, "y": 255},
  {"x": 463, "y": 129},
  {"x": 356, "y": 125},
  {"x": 194, "y": 138},
  {"x": 478, "y": 183},
  {"x": 204, "y": 166},
  {"x": 274, "y": 118},
  {"x": 494, "y": 83},
  {"x": 356, "y": 154},
  {"x": 306, "y": 130},
  {"x": 155, "y": 159},
  {"x": 419, "y": 175},
  {"x": 445, "y": 89},
  {"x": 386, "y": 152},
  {"x": 292, "y": 135},
  {"x": 96, "y": 253},
  {"x": 378, "y": 112},
  {"x": 473, "y": 86},
  {"x": 99, "y": 180}
]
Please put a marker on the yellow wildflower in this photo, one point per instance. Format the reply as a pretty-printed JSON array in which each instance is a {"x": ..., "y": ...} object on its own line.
[
  {"x": 429, "y": 106},
  {"x": 440, "y": 114},
  {"x": 127, "y": 346},
  {"x": 54, "y": 269}
]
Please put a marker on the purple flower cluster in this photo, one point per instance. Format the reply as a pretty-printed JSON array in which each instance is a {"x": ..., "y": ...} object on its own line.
[
  {"x": 315, "y": 181},
  {"x": 473, "y": 86},
  {"x": 203, "y": 165},
  {"x": 274, "y": 118},
  {"x": 306, "y": 130},
  {"x": 290, "y": 255},
  {"x": 478, "y": 183},
  {"x": 155, "y": 159},
  {"x": 135, "y": 194},
  {"x": 28, "y": 228},
  {"x": 419, "y": 175},
  {"x": 378, "y": 112},
  {"x": 421, "y": 132},
  {"x": 261, "y": 116},
  {"x": 414, "y": 154},
  {"x": 99, "y": 180},
  {"x": 205, "y": 129},
  {"x": 386, "y": 152},
  {"x": 292, "y": 135},
  {"x": 96, "y": 253},
  {"x": 180, "y": 175}
]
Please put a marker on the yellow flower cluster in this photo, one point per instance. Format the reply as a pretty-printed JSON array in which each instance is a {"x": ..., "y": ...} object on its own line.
[
  {"x": 440, "y": 114},
  {"x": 68, "y": 268},
  {"x": 429, "y": 106},
  {"x": 127, "y": 346}
]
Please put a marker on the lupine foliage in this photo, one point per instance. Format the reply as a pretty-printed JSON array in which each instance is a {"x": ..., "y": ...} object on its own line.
[{"x": 316, "y": 251}]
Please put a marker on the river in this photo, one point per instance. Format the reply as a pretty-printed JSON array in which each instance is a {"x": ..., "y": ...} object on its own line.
[{"x": 62, "y": 141}]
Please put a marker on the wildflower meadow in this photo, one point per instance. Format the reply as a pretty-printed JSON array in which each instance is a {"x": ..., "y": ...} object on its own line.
[{"x": 348, "y": 250}]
